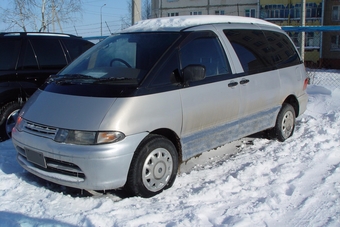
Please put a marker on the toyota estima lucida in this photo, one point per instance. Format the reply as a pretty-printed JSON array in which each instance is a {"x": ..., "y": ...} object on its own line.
[{"x": 130, "y": 110}]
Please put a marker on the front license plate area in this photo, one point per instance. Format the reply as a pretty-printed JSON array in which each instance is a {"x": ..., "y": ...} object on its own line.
[{"x": 36, "y": 158}]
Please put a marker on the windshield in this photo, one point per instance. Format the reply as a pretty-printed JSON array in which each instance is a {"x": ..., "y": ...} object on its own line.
[{"x": 119, "y": 58}]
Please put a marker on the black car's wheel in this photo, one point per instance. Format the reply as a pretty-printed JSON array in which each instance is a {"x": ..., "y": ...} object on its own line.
[
  {"x": 8, "y": 116},
  {"x": 285, "y": 123},
  {"x": 153, "y": 167}
]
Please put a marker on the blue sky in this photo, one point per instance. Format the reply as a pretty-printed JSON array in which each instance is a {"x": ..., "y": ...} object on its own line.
[{"x": 88, "y": 24}]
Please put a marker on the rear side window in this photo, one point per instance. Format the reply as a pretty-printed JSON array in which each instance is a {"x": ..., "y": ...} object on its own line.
[
  {"x": 9, "y": 53},
  {"x": 283, "y": 52},
  {"x": 49, "y": 53},
  {"x": 252, "y": 50},
  {"x": 76, "y": 47},
  {"x": 261, "y": 51}
]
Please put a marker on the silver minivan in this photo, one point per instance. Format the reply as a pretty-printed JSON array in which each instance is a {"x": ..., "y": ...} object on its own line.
[{"x": 128, "y": 111}]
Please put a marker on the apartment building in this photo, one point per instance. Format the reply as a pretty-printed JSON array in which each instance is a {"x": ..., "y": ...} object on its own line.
[
  {"x": 330, "y": 55},
  {"x": 169, "y": 8}
]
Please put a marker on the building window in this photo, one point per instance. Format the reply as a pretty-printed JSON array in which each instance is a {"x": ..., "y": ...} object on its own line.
[
  {"x": 312, "y": 40},
  {"x": 172, "y": 14},
  {"x": 196, "y": 13},
  {"x": 335, "y": 43},
  {"x": 219, "y": 12},
  {"x": 313, "y": 10},
  {"x": 335, "y": 13},
  {"x": 250, "y": 13},
  {"x": 274, "y": 11}
]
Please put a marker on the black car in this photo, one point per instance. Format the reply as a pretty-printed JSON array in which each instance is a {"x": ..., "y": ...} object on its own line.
[{"x": 26, "y": 60}]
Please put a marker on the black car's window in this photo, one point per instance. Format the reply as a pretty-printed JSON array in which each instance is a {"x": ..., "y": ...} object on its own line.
[
  {"x": 49, "y": 53},
  {"x": 9, "y": 53},
  {"x": 252, "y": 50},
  {"x": 30, "y": 60},
  {"x": 76, "y": 47},
  {"x": 206, "y": 51}
]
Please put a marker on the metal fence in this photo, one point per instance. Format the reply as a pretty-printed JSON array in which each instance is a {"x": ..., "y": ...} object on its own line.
[{"x": 324, "y": 77}]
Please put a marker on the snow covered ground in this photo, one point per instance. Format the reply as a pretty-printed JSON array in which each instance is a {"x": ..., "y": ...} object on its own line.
[{"x": 266, "y": 183}]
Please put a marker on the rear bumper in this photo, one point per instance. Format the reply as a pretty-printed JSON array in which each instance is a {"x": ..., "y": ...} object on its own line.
[{"x": 93, "y": 167}]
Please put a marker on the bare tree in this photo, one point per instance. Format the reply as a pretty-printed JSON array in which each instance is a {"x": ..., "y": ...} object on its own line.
[
  {"x": 146, "y": 13},
  {"x": 19, "y": 14},
  {"x": 126, "y": 20},
  {"x": 146, "y": 9},
  {"x": 39, "y": 15}
]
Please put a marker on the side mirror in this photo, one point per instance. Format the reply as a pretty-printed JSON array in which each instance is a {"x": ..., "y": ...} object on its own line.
[{"x": 193, "y": 73}]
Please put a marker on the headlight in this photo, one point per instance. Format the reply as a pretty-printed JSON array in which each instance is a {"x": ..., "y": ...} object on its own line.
[{"x": 87, "y": 137}]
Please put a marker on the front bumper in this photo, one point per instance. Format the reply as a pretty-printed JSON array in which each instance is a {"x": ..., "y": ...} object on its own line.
[{"x": 91, "y": 167}]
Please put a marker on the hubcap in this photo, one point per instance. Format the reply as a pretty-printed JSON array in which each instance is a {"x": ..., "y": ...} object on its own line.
[
  {"x": 157, "y": 169},
  {"x": 287, "y": 124},
  {"x": 10, "y": 122}
]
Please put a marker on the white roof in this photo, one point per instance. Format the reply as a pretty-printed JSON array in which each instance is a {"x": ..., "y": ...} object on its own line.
[{"x": 181, "y": 22}]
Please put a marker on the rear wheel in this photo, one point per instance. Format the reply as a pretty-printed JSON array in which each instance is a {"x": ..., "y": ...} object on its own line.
[
  {"x": 285, "y": 123},
  {"x": 153, "y": 167}
]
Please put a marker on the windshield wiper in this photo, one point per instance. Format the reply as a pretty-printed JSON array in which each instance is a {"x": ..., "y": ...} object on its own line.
[
  {"x": 109, "y": 79},
  {"x": 69, "y": 78}
]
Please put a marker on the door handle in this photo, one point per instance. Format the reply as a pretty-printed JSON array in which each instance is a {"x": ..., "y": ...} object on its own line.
[
  {"x": 244, "y": 81},
  {"x": 232, "y": 84}
]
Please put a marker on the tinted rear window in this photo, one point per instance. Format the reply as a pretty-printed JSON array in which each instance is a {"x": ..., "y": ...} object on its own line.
[
  {"x": 282, "y": 50},
  {"x": 261, "y": 51}
]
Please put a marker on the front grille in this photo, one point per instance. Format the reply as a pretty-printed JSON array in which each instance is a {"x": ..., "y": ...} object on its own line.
[
  {"x": 55, "y": 167},
  {"x": 40, "y": 130}
]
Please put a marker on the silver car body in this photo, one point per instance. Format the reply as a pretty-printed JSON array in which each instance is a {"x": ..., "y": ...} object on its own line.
[{"x": 200, "y": 117}]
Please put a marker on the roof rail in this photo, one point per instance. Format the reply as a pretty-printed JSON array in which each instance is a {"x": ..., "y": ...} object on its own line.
[{"x": 36, "y": 34}]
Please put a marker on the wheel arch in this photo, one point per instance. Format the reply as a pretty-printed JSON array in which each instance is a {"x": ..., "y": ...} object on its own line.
[
  {"x": 13, "y": 94},
  {"x": 173, "y": 137},
  {"x": 292, "y": 100}
]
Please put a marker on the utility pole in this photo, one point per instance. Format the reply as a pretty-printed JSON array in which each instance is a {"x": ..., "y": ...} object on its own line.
[
  {"x": 101, "y": 20},
  {"x": 303, "y": 23},
  {"x": 136, "y": 14},
  {"x": 208, "y": 7}
]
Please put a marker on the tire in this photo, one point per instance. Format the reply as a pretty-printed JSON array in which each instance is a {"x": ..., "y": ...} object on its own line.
[
  {"x": 153, "y": 167},
  {"x": 285, "y": 123},
  {"x": 8, "y": 115}
]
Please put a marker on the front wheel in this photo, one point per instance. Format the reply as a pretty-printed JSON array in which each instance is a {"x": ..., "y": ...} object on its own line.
[
  {"x": 153, "y": 167},
  {"x": 8, "y": 116},
  {"x": 285, "y": 123}
]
